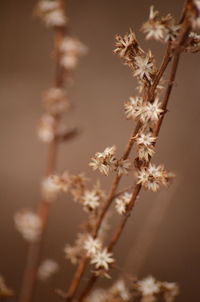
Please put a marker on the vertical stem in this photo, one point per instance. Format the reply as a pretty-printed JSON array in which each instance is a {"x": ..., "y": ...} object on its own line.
[{"x": 29, "y": 280}]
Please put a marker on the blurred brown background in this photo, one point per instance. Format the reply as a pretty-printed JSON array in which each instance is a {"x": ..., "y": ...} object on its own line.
[{"x": 101, "y": 86}]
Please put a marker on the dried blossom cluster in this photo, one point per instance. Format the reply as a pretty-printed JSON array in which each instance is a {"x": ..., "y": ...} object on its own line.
[
  {"x": 162, "y": 29},
  {"x": 106, "y": 162},
  {"x": 152, "y": 290},
  {"x": 28, "y": 224},
  {"x": 51, "y": 13},
  {"x": 148, "y": 110},
  {"x": 67, "y": 53},
  {"x": 47, "y": 269},
  {"x": 146, "y": 290}
]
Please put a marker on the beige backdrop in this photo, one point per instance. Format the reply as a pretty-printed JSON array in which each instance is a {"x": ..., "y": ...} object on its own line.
[{"x": 166, "y": 224}]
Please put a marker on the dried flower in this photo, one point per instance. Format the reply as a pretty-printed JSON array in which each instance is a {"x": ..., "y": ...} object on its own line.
[
  {"x": 46, "y": 269},
  {"x": 28, "y": 224},
  {"x": 144, "y": 67},
  {"x": 91, "y": 200},
  {"x": 163, "y": 29},
  {"x": 151, "y": 112},
  {"x": 104, "y": 161},
  {"x": 55, "y": 18},
  {"x": 92, "y": 246},
  {"x": 146, "y": 139},
  {"x": 153, "y": 28},
  {"x": 127, "y": 47},
  {"x": 148, "y": 286},
  {"x": 152, "y": 177},
  {"x": 102, "y": 259},
  {"x": 122, "y": 202},
  {"x": 133, "y": 106}
]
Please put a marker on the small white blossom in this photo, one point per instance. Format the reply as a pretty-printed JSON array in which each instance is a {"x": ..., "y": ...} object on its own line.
[
  {"x": 105, "y": 161},
  {"x": 92, "y": 245},
  {"x": 125, "y": 45},
  {"x": 102, "y": 259},
  {"x": 144, "y": 67},
  {"x": 133, "y": 107},
  {"x": 149, "y": 286},
  {"x": 73, "y": 45},
  {"x": 151, "y": 112},
  {"x": 91, "y": 200},
  {"x": 122, "y": 202},
  {"x": 146, "y": 139},
  {"x": 153, "y": 176},
  {"x": 28, "y": 224},
  {"x": 55, "y": 18},
  {"x": 46, "y": 269}
]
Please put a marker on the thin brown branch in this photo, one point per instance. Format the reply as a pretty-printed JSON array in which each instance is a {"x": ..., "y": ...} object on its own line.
[
  {"x": 75, "y": 282},
  {"x": 35, "y": 248},
  {"x": 177, "y": 52}
]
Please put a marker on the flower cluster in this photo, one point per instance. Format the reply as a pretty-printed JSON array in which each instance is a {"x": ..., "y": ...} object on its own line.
[
  {"x": 46, "y": 269},
  {"x": 106, "y": 161},
  {"x": 138, "y": 109},
  {"x": 28, "y": 224},
  {"x": 152, "y": 176},
  {"x": 51, "y": 13},
  {"x": 54, "y": 184},
  {"x": 142, "y": 64},
  {"x": 161, "y": 29},
  {"x": 71, "y": 49},
  {"x": 151, "y": 290}
]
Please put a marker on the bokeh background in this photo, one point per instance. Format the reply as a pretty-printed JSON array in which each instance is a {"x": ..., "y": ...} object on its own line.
[{"x": 162, "y": 236}]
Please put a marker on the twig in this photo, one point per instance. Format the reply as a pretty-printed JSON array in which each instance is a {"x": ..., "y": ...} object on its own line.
[
  {"x": 81, "y": 268},
  {"x": 35, "y": 248},
  {"x": 183, "y": 35}
]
